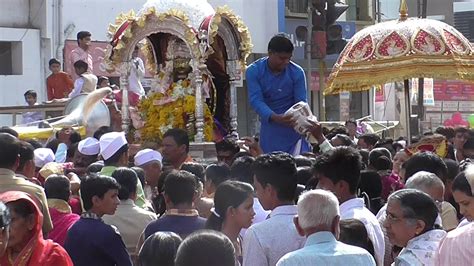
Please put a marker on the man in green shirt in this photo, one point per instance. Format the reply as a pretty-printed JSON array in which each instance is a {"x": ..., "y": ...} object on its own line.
[{"x": 114, "y": 151}]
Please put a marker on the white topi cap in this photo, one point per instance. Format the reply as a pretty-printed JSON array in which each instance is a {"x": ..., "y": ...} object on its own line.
[
  {"x": 89, "y": 146},
  {"x": 110, "y": 143},
  {"x": 43, "y": 156},
  {"x": 147, "y": 155}
]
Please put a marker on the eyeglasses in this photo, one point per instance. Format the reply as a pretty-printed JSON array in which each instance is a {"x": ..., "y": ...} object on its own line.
[{"x": 390, "y": 218}]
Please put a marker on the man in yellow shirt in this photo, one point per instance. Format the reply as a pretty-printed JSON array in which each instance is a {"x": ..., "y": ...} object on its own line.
[{"x": 9, "y": 161}]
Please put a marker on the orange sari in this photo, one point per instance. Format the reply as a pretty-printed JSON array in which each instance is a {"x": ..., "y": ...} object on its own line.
[{"x": 37, "y": 251}]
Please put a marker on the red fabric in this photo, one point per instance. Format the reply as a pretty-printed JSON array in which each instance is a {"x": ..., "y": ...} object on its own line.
[
  {"x": 61, "y": 224},
  {"x": 75, "y": 204},
  {"x": 59, "y": 85},
  {"x": 37, "y": 251},
  {"x": 133, "y": 98},
  {"x": 390, "y": 183}
]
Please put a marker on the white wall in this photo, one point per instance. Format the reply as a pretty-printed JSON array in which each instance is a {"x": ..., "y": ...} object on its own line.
[
  {"x": 12, "y": 87},
  {"x": 95, "y": 16},
  {"x": 261, "y": 16},
  {"x": 14, "y": 13}
]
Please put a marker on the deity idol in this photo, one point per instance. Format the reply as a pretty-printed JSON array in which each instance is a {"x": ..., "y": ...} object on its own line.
[{"x": 171, "y": 101}]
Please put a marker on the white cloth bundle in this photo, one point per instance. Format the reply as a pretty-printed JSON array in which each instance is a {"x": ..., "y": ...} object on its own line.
[{"x": 301, "y": 113}]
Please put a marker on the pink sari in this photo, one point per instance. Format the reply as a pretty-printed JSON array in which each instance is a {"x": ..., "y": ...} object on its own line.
[
  {"x": 62, "y": 219},
  {"x": 37, "y": 251}
]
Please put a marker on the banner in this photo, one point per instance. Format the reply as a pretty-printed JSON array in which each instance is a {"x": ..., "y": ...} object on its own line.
[{"x": 428, "y": 92}]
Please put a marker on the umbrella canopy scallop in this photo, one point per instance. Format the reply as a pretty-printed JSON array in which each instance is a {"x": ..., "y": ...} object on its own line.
[{"x": 402, "y": 49}]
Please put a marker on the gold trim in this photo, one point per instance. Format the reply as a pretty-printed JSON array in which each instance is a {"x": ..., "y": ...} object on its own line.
[
  {"x": 361, "y": 80},
  {"x": 403, "y": 10},
  {"x": 140, "y": 22},
  {"x": 150, "y": 61},
  {"x": 238, "y": 24}
]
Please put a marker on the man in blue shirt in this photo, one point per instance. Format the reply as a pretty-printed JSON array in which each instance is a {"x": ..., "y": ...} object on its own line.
[
  {"x": 275, "y": 84},
  {"x": 318, "y": 220}
]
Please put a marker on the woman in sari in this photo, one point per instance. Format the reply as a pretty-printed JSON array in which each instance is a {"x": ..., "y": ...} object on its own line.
[
  {"x": 26, "y": 245},
  {"x": 4, "y": 227}
]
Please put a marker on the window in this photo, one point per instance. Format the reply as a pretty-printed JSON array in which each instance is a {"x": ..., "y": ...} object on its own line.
[
  {"x": 11, "y": 58},
  {"x": 297, "y": 6},
  {"x": 359, "y": 10}
]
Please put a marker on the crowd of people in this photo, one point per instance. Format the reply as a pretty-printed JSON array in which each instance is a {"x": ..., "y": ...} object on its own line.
[
  {"x": 369, "y": 201},
  {"x": 348, "y": 198}
]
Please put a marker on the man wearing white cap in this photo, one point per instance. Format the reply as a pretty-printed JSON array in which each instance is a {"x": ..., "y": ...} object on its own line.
[
  {"x": 114, "y": 151},
  {"x": 87, "y": 151},
  {"x": 42, "y": 157},
  {"x": 150, "y": 161}
]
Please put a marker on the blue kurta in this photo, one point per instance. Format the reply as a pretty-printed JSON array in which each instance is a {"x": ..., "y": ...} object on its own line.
[
  {"x": 92, "y": 242},
  {"x": 275, "y": 93}
]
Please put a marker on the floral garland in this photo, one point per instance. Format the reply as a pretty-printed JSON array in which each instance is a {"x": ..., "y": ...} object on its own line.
[{"x": 172, "y": 109}]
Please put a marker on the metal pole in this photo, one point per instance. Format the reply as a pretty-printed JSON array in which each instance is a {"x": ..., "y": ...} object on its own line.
[
  {"x": 379, "y": 11},
  {"x": 308, "y": 54},
  {"x": 422, "y": 8},
  {"x": 406, "y": 90},
  {"x": 322, "y": 77}
]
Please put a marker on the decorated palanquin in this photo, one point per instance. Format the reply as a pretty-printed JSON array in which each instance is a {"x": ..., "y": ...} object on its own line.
[
  {"x": 393, "y": 51},
  {"x": 196, "y": 55}
]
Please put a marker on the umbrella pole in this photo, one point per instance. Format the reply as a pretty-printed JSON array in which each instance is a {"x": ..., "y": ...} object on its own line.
[{"x": 406, "y": 90}]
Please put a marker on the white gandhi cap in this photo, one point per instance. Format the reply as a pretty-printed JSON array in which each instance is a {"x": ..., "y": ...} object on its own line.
[
  {"x": 43, "y": 156},
  {"x": 89, "y": 146},
  {"x": 147, "y": 155},
  {"x": 110, "y": 143}
]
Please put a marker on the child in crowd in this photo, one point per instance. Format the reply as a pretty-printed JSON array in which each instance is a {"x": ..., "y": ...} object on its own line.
[
  {"x": 86, "y": 82},
  {"x": 90, "y": 241},
  {"x": 31, "y": 117},
  {"x": 59, "y": 84}
]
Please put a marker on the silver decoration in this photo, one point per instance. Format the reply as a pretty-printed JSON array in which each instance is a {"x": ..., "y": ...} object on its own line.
[
  {"x": 234, "y": 74},
  {"x": 199, "y": 68},
  {"x": 196, "y": 10},
  {"x": 124, "y": 74}
]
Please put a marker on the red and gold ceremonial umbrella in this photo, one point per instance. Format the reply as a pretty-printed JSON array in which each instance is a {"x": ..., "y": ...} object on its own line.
[{"x": 400, "y": 50}]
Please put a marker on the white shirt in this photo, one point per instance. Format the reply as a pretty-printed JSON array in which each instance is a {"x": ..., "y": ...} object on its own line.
[
  {"x": 463, "y": 223},
  {"x": 130, "y": 221},
  {"x": 260, "y": 215},
  {"x": 355, "y": 209},
  {"x": 31, "y": 117},
  {"x": 266, "y": 242},
  {"x": 78, "y": 83},
  {"x": 322, "y": 248},
  {"x": 136, "y": 74},
  {"x": 421, "y": 250}
]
